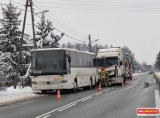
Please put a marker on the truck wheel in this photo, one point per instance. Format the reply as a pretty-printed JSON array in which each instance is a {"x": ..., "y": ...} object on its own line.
[{"x": 44, "y": 91}]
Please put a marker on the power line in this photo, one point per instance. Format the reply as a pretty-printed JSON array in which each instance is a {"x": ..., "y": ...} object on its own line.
[
  {"x": 98, "y": 2},
  {"x": 65, "y": 33},
  {"x": 16, "y": 8},
  {"x": 101, "y": 4},
  {"x": 54, "y": 27},
  {"x": 106, "y": 9},
  {"x": 63, "y": 24},
  {"x": 108, "y": 6},
  {"x": 18, "y": 3}
]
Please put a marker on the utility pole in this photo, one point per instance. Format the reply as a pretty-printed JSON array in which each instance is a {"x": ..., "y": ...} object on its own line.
[
  {"x": 29, "y": 3},
  {"x": 33, "y": 29},
  {"x": 89, "y": 44},
  {"x": 20, "y": 49}
]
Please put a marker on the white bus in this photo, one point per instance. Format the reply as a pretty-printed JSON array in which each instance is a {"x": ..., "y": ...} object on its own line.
[{"x": 61, "y": 68}]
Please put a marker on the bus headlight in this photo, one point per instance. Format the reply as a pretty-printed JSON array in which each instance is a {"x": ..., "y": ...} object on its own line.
[
  {"x": 33, "y": 82},
  {"x": 63, "y": 81}
]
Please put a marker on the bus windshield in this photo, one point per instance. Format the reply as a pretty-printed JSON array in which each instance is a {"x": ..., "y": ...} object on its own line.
[
  {"x": 106, "y": 62},
  {"x": 48, "y": 62}
]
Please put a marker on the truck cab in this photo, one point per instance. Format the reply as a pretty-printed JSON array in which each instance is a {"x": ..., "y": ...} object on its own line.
[{"x": 115, "y": 63}]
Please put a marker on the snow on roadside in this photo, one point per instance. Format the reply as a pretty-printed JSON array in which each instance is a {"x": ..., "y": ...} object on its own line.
[
  {"x": 19, "y": 90},
  {"x": 135, "y": 74},
  {"x": 11, "y": 95}
]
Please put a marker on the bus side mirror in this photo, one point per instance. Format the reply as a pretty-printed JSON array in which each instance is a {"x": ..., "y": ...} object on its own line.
[
  {"x": 69, "y": 59},
  {"x": 94, "y": 62},
  {"x": 121, "y": 63}
]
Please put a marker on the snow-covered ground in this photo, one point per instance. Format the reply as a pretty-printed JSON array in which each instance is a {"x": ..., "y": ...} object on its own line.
[{"x": 11, "y": 95}]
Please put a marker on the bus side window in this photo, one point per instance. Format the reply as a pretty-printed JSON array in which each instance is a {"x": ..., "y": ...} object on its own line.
[{"x": 73, "y": 62}]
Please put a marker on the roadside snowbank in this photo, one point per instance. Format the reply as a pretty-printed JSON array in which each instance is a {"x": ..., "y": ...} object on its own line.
[
  {"x": 11, "y": 95},
  {"x": 135, "y": 74}
]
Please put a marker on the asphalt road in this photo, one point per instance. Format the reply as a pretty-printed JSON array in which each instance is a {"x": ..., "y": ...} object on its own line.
[{"x": 113, "y": 102}]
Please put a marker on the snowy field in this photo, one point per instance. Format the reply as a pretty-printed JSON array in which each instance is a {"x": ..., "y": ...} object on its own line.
[{"x": 11, "y": 95}]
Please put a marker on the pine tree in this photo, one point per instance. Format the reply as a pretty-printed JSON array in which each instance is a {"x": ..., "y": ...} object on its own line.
[
  {"x": 46, "y": 36},
  {"x": 10, "y": 43},
  {"x": 7, "y": 67},
  {"x": 41, "y": 33},
  {"x": 10, "y": 33}
]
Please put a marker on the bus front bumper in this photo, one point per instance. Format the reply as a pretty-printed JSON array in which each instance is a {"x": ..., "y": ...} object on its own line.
[{"x": 37, "y": 87}]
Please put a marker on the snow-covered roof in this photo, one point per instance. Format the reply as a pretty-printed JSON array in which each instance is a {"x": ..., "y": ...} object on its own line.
[{"x": 47, "y": 49}]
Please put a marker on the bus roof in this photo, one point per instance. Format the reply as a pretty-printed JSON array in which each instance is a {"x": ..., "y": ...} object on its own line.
[{"x": 66, "y": 49}]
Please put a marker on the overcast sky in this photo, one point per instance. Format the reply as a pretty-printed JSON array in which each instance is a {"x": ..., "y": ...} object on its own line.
[{"x": 134, "y": 23}]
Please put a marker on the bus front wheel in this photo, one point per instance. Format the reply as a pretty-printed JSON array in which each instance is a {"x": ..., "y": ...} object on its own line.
[{"x": 75, "y": 87}]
